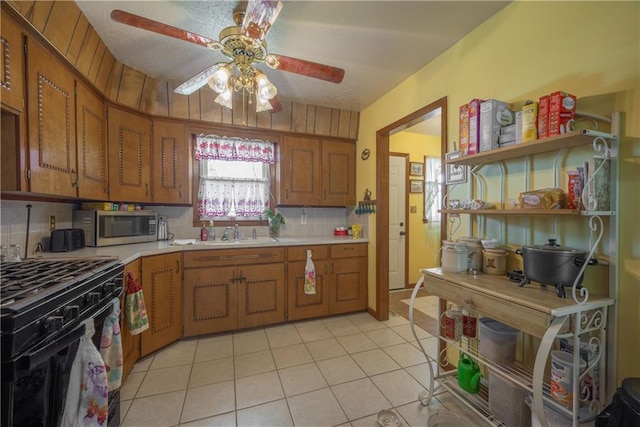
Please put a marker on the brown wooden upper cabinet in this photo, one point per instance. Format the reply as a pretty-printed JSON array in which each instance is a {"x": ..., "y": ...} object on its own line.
[
  {"x": 316, "y": 172},
  {"x": 11, "y": 64},
  {"x": 52, "y": 124},
  {"x": 171, "y": 162},
  {"x": 93, "y": 153},
  {"x": 129, "y": 156}
]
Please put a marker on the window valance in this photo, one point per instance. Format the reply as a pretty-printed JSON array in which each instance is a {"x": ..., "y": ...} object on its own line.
[{"x": 213, "y": 147}]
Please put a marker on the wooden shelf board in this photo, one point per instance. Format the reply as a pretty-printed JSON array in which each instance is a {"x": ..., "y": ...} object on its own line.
[{"x": 545, "y": 145}]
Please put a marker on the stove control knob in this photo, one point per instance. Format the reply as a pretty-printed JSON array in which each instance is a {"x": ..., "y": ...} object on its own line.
[
  {"x": 70, "y": 312},
  {"x": 53, "y": 323},
  {"x": 92, "y": 298}
]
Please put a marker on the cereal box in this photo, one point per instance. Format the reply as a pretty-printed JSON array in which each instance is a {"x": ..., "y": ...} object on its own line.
[
  {"x": 543, "y": 117},
  {"x": 562, "y": 110},
  {"x": 474, "y": 126},
  {"x": 463, "y": 129},
  {"x": 530, "y": 122},
  {"x": 493, "y": 115}
]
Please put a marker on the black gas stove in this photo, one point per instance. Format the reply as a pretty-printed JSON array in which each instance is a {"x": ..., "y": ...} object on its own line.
[{"x": 40, "y": 299}]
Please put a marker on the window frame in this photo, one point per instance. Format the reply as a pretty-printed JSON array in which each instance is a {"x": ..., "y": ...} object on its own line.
[{"x": 195, "y": 169}]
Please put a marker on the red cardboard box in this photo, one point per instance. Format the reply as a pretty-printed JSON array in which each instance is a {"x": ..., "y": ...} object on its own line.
[
  {"x": 463, "y": 129},
  {"x": 474, "y": 126},
  {"x": 562, "y": 112},
  {"x": 543, "y": 117}
]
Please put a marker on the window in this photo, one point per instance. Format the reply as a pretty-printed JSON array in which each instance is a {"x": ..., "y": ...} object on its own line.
[
  {"x": 432, "y": 189},
  {"x": 234, "y": 177}
]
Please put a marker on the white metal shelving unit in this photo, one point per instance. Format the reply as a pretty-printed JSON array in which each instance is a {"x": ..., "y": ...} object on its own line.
[{"x": 571, "y": 318}]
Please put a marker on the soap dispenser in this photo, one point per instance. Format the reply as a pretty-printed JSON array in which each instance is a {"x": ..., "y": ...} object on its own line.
[
  {"x": 211, "y": 231},
  {"x": 204, "y": 234}
]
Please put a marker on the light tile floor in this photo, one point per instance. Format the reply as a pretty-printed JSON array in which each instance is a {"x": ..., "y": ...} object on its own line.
[{"x": 337, "y": 371}]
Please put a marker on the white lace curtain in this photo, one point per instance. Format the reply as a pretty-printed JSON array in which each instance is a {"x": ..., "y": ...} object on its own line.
[{"x": 240, "y": 188}]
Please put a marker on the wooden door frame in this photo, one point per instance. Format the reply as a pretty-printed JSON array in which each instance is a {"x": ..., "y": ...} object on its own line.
[{"x": 382, "y": 195}]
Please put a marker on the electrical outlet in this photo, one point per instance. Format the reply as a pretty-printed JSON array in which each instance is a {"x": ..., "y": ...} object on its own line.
[
  {"x": 413, "y": 209},
  {"x": 52, "y": 222}
]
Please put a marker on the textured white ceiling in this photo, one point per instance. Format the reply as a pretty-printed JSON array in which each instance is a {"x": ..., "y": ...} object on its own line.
[{"x": 378, "y": 43}]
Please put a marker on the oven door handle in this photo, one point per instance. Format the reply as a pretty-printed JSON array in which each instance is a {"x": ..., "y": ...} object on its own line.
[{"x": 36, "y": 357}]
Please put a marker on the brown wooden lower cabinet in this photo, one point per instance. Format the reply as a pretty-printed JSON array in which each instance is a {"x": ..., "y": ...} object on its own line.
[
  {"x": 162, "y": 288},
  {"x": 232, "y": 289},
  {"x": 301, "y": 305},
  {"x": 348, "y": 287}
]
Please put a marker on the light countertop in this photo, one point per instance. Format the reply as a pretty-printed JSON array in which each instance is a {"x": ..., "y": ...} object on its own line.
[{"x": 129, "y": 253}]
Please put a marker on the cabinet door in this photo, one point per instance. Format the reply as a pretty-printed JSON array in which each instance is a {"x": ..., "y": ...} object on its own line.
[
  {"x": 11, "y": 64},
  {"x": 91, "y": 137},
  {"x": 300, "y": 171},
  {"x": 348, "y": 285},
  {"x": 129, "y": 156},
  {"x": 339, "y": 177},
  {"x": 171, "y": 162},
  {"x": 210, "y": 300},
  {"x": 162, "y": 288},
  {"x": 261, "y": 298},
  {"x": 301, "y": 305},
  {"x": 52, "y": 124},
  {"x": 130, "y": 343}
]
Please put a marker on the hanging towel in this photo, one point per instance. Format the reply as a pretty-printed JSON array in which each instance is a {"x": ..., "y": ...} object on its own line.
[
  {"x": 87, "y": 395},
  {"x": 135, "y": 309},
  {"x": 111, "y": 346},
  {"x": 309, "y": 276}
]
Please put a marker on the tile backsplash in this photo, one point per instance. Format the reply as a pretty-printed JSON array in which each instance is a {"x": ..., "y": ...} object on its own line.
[{"x": 13, "y": 221}]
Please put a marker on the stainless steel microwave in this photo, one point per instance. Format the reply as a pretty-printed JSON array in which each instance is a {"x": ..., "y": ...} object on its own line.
[{"x": 106, "y": 228}]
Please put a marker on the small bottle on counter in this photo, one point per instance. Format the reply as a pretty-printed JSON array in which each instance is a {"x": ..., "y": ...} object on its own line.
[
  {"x": 204, "y": 234},
  {"x": 211, "y": 231}
]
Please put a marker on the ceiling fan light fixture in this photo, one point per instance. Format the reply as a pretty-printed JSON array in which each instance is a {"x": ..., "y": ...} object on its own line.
[
  {"x": 225, "y": 98},
  {"x": 262, "y": 105},
  {"x": 219, "y": 80},
  {"x": 266, "y": 89}
]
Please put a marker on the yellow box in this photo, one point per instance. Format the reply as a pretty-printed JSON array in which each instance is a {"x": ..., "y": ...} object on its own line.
[
  {"x": 530, "y": 122},
  {"x": 356, "y": 231},
  {"x": 97, "y": 206}
]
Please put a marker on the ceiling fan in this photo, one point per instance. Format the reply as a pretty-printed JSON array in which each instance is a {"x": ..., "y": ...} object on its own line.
[{"x": 245, "y": 46}]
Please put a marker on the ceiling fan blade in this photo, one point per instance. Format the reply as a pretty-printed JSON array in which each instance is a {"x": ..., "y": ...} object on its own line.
[
  {"x": 305, "y": 68},
  {"x": 276, "y": 106},
  {"x": 196, "y": 82},
  {"x": 259, "y": 17},
  {"x": 158, "y": 27}
]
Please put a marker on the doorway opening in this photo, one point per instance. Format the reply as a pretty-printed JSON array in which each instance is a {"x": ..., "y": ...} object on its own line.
[{"x": 382, "y": 172}]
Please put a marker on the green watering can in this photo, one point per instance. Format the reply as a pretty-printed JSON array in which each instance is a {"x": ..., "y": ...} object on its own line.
[{"x": 468, "y": 374}]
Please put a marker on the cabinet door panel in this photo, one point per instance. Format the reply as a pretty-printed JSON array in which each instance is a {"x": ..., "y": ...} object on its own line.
[
  {"x": 11, "y": 64},
  {"x": 301, "y": 305},
  {"x": 301, "y": 171},
  {"x": 210, "y": 303},
  {"x": 261, "y": 298},
  {"x": 171, "y": 162},
  {"x": 349, "y": 285},
  {"x": 162, "y": 288},
  {"x": 129, "y": 154},
  {"x": 52, "y": 138},
  {"x": 339, "y": 179},
  {"x": 92, "y": 145}
]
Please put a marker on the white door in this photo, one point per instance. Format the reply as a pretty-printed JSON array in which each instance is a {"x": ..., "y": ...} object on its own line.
[{"x": 397, "y": 221}]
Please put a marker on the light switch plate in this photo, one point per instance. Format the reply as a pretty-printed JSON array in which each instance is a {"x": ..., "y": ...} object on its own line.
[{"x": 413, "y": 209}]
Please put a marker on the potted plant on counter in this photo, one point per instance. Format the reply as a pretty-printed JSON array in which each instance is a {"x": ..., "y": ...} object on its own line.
[{"x": 275, "y": 220}]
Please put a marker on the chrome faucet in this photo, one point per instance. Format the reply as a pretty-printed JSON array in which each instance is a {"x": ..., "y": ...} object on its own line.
[{"x": 236, "y": 233}]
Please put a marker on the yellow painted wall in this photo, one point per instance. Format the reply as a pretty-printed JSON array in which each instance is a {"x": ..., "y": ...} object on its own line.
[
  {"x": 424, "y": 239},
  {"x": 590, "y": 49}
]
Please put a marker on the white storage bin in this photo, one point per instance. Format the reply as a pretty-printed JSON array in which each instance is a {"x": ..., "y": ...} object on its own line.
[
  {"x": 507, "y": 402},
  {"x": 497, "y": 341}
]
